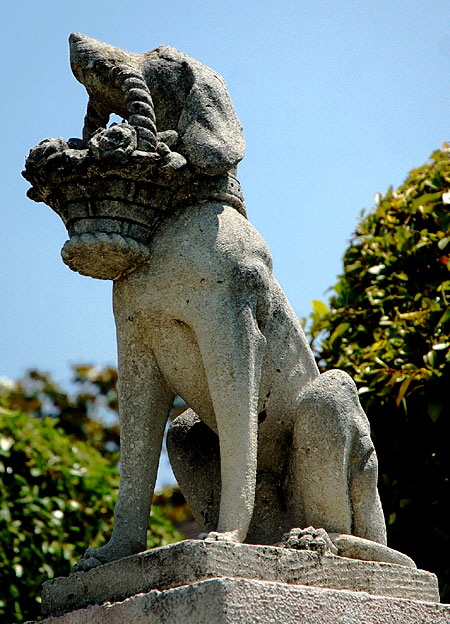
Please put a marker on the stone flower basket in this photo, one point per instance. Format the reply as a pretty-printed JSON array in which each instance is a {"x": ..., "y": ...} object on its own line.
[
  {"x": 112, "y": 198},
  {"x": 109, "y": 195},
  {"x": 113, "y": 190}
]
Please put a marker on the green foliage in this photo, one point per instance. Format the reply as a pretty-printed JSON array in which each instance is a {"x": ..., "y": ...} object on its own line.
[
  {"x": 81, "y": 413},
  {"x": 388, "y": 325},
  {"x": 56, "y": 497},
  {"x": 59, "y": 488}
]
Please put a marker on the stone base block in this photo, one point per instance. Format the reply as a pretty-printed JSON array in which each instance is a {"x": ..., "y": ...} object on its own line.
[
  {"x": 191, "y": 561},
  {"x": 243, "y": 601}
]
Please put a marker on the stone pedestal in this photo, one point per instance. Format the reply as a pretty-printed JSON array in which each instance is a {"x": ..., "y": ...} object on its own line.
[{"x": 214, "y": 582}]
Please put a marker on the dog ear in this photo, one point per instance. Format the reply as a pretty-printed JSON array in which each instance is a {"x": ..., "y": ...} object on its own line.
[{"x": 210, "y": 132}]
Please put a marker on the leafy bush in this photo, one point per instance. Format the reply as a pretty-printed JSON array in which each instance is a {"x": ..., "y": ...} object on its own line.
[
  {"x": 388, "y": 326},
  {"x": 81, "y": 413},
  {"x": 58, "y": 492},
  {"x": 56, "y": 497}
]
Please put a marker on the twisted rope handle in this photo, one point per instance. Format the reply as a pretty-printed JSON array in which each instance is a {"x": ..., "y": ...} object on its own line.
[{"x": 141, "y": 113}]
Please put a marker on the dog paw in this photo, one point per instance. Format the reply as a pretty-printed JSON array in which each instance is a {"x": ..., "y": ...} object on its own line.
[
  {"x": 86, "y": 563},
  {"x": 310, "y": 538},
  {"x": 217, "y": 536},
  {"x": 112, "y": 551}
]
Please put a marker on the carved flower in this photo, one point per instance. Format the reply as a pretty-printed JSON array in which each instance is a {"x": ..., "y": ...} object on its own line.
[
  {"x": 45, "y": 149},
  {"x": 117, "y": 139}
]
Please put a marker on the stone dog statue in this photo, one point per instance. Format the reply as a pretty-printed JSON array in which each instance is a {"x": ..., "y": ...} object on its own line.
[{"x": 268, "y": 444}]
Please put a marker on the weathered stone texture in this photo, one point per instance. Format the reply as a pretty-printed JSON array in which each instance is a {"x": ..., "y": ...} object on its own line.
[
  {"x": 241, "y": 601},
  {"x": 153, "y": 204},
  {"x": 192, "y": 561}
]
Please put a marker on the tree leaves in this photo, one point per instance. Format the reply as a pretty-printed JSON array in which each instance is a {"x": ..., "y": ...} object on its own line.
[
  {"x": 388, "y": 326},
  {"x": 59, "y": 482}
]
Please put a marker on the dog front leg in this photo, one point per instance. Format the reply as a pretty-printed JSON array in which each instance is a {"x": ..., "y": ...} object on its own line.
[
  {"x": 144, "y": 404},
  {"x": 231, "y": 346}
]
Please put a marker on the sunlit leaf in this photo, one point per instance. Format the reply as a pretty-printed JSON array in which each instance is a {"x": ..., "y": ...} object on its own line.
[
  {"x": 434, "y": 411},
  {"x": 319, "y": 306},
  {"x": 404, "y": 389},
  {"x": 445, "y": 317},
  {"x": 6, "y": 443},
  {"x": 339, "y": 331}
]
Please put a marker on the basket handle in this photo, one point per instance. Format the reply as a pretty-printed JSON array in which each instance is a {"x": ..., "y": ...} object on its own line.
[{"x": 141, "y": 113}]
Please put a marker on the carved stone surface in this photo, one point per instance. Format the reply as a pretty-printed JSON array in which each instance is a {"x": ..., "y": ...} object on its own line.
[
  {"x": 191, "y": 561},
  {"x": 153, "y": 203},
  {"x": 122, "y": 180},
  {"x": 241, "y": 601},
  {"x": 112, "y": 198}
]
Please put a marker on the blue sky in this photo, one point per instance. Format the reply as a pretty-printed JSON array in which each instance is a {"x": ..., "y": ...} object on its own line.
[{"x": 338, "y": 100}]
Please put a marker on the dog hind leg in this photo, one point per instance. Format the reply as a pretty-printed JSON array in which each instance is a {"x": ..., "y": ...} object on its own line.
[
  {"x": 333, "y": 472},
  {"x": 194, "y": 455}
]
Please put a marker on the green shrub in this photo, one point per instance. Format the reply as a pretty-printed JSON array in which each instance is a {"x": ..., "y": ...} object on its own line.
[
  {"x": 56, "y": 497},
  {"x": 58, "y": 491},
  {"x": 388, "y": 325}
]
